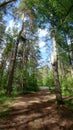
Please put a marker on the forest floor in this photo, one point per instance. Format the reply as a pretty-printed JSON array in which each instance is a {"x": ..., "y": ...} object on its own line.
[{"x": 37, "y": 111}]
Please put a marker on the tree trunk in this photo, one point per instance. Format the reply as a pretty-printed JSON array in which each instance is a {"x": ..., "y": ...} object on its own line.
[
  {"x": 55, "y": 71},
  {"x": 69, "y": 54},
  {"x": 11, "y": 73},
  {"x": 2, "y": 67},
  {"x": 24, "y": 63},
  {"x": 61, "y": 69}
]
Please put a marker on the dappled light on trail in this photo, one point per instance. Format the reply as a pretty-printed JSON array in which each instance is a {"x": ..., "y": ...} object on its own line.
[{"x": 37, "y": 111}]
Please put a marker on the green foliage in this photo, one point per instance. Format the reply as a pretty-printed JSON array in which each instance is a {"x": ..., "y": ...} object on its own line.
[
  {"x": 40, "y": 82},
  {"x": 3, "y": 84},
  {"x": 60, "y": 14},
  {"x": 2, "y": 98},
  {"x": 2, "y": 91},
  {"x": 32, "y": 84},
  {"x": 69, "y": 103},
  {"x": 50, "y": 80},
  {"x": 4, "y": 114},
  {"x": 67, "y": 85},
  {"x": 24, "y": 83}
]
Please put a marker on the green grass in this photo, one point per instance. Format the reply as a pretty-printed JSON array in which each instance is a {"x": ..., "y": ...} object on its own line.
[
  {"x": 4, "y": 114},
  {"x": 3, "y": 98},
  {"x": 52, "y": 101},
  {"x": 28, "y": 92},
  {"x": 69, "y": 104},
  {"x": 5, "y": 104}
]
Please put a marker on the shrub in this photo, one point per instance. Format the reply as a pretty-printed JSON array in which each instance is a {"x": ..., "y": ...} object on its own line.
[{"x": 67, "y": 85}]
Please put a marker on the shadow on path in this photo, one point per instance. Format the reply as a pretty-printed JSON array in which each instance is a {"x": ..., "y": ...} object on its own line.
[{"x": 37, "y": 112}]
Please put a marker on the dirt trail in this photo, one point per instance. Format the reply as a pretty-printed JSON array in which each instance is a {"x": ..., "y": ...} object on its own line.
[{"x": 35, "y": 112}]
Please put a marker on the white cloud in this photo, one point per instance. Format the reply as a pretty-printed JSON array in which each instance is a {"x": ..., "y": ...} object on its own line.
[
  {"x": 69, "y": 42},
  {"x": 41, "y": 44},
  {"x": 12, "y": 24},
  {"x": 42, "y": 32}
]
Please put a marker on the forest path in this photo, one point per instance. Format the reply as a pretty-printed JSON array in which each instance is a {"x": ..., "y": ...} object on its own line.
[{"x": 37, "y": 112}]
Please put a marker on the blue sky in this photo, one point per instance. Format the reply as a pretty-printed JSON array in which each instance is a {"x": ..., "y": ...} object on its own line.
[{"x": 42, "y": 33}]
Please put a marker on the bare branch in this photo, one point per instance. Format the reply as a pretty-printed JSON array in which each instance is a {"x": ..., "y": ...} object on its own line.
[{"x": 6, "y": 2}]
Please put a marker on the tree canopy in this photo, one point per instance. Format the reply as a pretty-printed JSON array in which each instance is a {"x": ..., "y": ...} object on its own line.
[{"x": 20, "y": 68}]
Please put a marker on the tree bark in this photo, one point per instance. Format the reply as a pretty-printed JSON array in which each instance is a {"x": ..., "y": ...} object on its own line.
[
  {"x": 24, "y": 63},
  {"x": 70, "y": 52},
  {"x": 61, "y": 69},
  {"x": 11, "y": 73},
  {"x": 2, "y": 67},
  {"x": 55, "y": 71}
]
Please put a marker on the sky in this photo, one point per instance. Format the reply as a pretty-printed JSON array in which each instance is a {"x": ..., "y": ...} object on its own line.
[{"x": 42, "y": 33}]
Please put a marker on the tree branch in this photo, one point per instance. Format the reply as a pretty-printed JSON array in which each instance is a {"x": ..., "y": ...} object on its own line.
[
  {"x": 63, "y": 20},
  {"x": 62, "y": 5},
  {"x": 6, "y": 2}
]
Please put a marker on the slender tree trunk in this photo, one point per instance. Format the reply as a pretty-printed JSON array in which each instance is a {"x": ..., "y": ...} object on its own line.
[
  {"x": 61, "y": 68},
  {"x": 69, "y": 55},
  {"x": 55, "y": 71},
  {"x": 24, "y": 63},
  {"x": 2, "y": 67},
  {"x": 11, "y": 73},
  {"x": 71, "y": 52}
]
